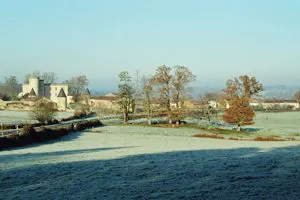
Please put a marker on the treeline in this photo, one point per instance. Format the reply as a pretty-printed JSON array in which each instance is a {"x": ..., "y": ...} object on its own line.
[{"x": 168, "y": 85}]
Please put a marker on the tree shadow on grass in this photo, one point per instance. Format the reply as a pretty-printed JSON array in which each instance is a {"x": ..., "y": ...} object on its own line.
[
  {"x": 251, "y": 129},
  {"x": 44, "y": 155},
  {"x": 243, "y": 173}
]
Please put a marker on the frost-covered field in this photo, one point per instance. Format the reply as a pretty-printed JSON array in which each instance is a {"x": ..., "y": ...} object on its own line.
[
  {"x": 14, "y": 117},
  {"x": 118, "y": 162},
  {"x": 278, "y": 123}
]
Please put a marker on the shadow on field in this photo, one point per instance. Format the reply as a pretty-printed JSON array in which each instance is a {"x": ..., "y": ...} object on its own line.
[
  {"x": 44, "y": 155},
  {"x": 244, "y": 173}
]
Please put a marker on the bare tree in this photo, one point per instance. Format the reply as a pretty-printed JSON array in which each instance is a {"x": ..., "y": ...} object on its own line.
[
  {"x": 148, "y": 96},
  {"x": 77, "y": 85},
  {"x": 206, "y": 110},
  {"x": 43, "y": 111},
  {"x": 48, "y": 77},
  {"x": 163, "y": 79},
  {"x": 180, "y": 81},
  {"x": 126, "y": 92},
  {"x": 11, "y": 88},
  {"x": 138, "y": 88}
]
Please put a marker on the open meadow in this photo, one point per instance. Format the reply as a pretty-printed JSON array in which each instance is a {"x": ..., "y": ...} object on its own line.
[
  {"x": 142, "y": 162},
  {"x": 278, "y": 123},
  {"x": 127, "y": 162}
]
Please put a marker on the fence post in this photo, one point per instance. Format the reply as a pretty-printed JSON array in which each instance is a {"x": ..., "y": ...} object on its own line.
[
  {"x": 2, "y": 128},
  {"x": 17, "y": 126}
]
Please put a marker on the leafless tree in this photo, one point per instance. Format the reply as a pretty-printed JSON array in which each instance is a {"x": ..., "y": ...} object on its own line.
[
  {"x": 181, "y": 79},
  {"x": 148, "y": 97},
  {"x": 126, "y": 92},
  {"x": 48, "y": 77},
  {"x": 43, "y": 111},
  {"x": 163, "y": 80},
  {"x": 11, "y": 88},
  {"x": 77, "y": 85}
]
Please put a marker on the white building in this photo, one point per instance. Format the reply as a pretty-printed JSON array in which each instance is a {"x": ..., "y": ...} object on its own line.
[
  {"x": 281, "y": 103},
  {"x": 54, "y": 92}
]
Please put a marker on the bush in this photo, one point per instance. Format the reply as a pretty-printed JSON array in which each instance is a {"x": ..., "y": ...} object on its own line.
[
  {"x": 27, "y": 130},
  {"x": 81, "y": 109},
  {"x": 268, "y": 138},
  {"x": 214, "y": 136},
  {"x": 78, "y": 116},
  {"x": 43, "y": 111}
]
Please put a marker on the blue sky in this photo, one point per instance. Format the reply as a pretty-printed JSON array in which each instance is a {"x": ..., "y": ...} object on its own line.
[{"x": 216, "y": 39}]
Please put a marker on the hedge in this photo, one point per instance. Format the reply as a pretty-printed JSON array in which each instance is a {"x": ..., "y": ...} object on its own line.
[{"x": 29, "y": 135}]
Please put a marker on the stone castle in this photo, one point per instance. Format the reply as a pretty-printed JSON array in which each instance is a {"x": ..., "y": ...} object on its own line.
[{"x": 58, "y": 93}]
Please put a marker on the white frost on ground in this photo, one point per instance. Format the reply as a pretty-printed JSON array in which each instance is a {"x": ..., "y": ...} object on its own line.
[
  {"x": 149, "y": 163},
  {"x": 14, "y": 117}
]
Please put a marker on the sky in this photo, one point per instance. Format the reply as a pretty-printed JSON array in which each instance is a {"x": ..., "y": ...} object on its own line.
[{"x": 216, "y": 39}]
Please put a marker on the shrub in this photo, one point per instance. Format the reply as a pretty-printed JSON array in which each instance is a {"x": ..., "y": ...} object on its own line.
[
  {"x": 43, "y": 111},
  {"x": 78, "y": 116},
  {"x": 204, "y": 135},
  {"x": 27, "y": 130},
  {"x": 81, "y": 109},
  {"x": 268, "y": 138}
]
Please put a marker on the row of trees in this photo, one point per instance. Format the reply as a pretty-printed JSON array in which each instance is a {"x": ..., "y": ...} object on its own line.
[
  {"x": 168, "y": 84},
  {"x": 171, "y": 84}
]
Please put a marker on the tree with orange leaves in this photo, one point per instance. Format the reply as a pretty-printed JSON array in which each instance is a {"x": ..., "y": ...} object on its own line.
[{"x": 238, "y": 94}]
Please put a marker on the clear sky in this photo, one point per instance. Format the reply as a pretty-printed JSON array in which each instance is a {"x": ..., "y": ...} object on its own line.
[{"x": 216, "y": 39}]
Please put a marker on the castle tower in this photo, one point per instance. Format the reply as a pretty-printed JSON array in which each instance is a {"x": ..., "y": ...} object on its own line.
[
  {"x": 41, "y": 88},
  {"x": 61, "y": 100},
  {"x": 34, "y": 84}
]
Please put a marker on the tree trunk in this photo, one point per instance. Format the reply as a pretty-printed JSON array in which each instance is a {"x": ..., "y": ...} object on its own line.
[
  {"x": 149, "y": 112},
  {"x": 149, "y": 119},
  {"x": 125, "y": 117},
  {"x": 238, "y": 128}
]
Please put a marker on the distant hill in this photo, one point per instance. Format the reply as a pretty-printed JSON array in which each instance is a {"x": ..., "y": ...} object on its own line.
[
  {"x": 273, "y": 91},
  {"x": 280, "y": 91},
  {"x": 99, "y": 92}
]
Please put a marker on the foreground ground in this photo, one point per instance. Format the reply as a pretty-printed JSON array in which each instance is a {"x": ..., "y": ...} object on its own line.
[{"x": 149, "y": 163}]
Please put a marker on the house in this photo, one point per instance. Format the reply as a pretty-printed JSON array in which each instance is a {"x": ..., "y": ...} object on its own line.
[
  {"x": 104, "y": 102},
  {"x": 276, "y": 103},
  {"x": 111, "y": 94}
]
